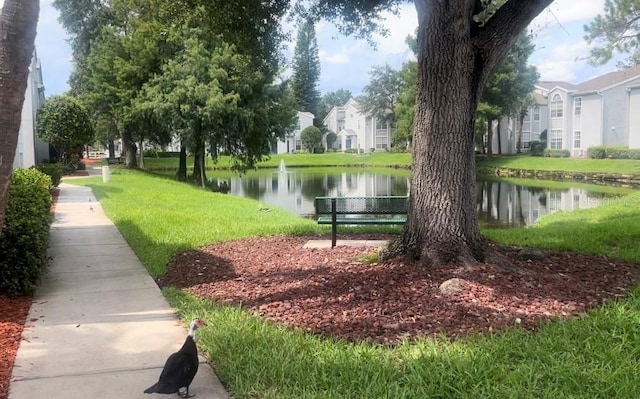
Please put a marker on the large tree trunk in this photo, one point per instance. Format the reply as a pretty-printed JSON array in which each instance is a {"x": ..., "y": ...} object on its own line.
[
  {"x": 17, "y": 34},
  {"x": 181, "y": 175},
  {"x": 199, "y": 174},
  {"x": 129, "y": 149},
  {"x": 455, "y": 57}
]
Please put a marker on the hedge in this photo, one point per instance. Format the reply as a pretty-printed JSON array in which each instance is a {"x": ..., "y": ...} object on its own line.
[{"x": 25, "y": 234}]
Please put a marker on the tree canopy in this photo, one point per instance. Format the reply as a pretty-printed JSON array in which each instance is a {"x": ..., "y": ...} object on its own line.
[
  {"x": 380, "y": 95},
  {"x": 617, "y": 31},
  {"x": 65, "y": 124}
]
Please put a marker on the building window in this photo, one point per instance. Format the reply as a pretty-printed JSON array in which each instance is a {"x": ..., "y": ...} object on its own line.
[
  {"x": 577, "y": 106},
  {"x": 556, "y": 106},
  {"x": 556, "y": 139},
  {"x": 526, "y": 141},
  {"x": 381, "y": 142},
  {"x": 298, "y": 125},
  {"x": 298, "y": 145},
  {"x": 577, "y": 139},
  {"x": 536, "y": 113}
]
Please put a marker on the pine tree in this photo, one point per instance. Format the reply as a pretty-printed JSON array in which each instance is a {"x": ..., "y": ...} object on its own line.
[
  {"x": 617, "y": 31},
  {"x": 306, "y": 71}
]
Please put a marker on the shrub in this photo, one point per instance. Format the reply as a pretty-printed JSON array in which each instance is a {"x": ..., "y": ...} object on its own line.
[
  {"x": 597, "y": 152},
  {"x": 54, "y": 170},
  {"x": 618, "y": 152},
  {"x": 536, "y": 148},
  {"x": 634, "y": 153},
  {"x": 548, "y": 152},
  {"x": 151, "y": 153},
  {"x": 613, "y": 152},
  {"x": 25, "y": 233}
]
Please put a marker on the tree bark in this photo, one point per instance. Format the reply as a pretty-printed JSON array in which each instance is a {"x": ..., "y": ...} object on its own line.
[
  {"x": 199, "y": 174},
  {"x": 129, "y": 149},
  {"x": 181, "y": 175},
  {"x": 455, "y": 57},
  {"x": 18, "y": 23}
]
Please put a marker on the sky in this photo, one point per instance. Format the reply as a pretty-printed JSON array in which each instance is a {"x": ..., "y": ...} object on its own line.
[{"x": 346, "y": 62}]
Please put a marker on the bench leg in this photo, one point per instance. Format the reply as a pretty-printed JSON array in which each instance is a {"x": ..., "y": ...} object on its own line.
[{"x": 334, "y": 224}]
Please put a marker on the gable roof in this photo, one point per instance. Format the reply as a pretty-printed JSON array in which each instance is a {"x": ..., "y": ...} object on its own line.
[
  {"x": 609, "y": 79},
  {"x": 549, "y": 85}
]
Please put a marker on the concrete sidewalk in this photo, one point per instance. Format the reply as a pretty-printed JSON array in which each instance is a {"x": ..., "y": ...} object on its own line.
[{"x": 99, "y": 326}]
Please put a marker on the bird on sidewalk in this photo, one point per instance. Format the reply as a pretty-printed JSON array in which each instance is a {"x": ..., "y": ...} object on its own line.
[{"x": 181, "y": 367}]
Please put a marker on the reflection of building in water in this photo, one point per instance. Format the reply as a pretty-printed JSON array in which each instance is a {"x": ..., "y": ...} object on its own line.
[
  {"x": 503, "y": 204},
  {"x": 295, "y": 190}
]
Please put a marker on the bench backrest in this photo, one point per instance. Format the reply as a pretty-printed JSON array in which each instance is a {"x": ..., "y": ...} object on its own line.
[{"x": 383, "y": 205}]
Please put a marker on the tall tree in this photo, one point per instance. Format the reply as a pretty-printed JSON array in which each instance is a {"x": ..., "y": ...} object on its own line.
[
  {"x": 460, "y": 44},
  {"x": 18, "y": 23},
  {"x": 617, "y": 31},
  {"x": 306, "y": 71},
  {"x": 380, "y": 95}
]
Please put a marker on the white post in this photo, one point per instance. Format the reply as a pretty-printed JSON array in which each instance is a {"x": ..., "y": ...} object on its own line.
[{"x": 105, "y": 174}]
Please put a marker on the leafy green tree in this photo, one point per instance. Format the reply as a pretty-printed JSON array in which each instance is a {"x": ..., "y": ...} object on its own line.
[
  {"x": 508, "y": 87},
  {"x": 306, "y": 71},
  {"x": 65, "y": 124},
  {"x": 379, "y": 98},
  {"x": 406, "y": 102},
  {"x": 17, "y": 34},
  {"x": 617, "y": 31},
  {"x": 333, "y": 99},
  {"x": 311, "y": 139}
]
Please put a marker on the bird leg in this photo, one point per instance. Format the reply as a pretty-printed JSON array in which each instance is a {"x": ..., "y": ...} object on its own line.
[{"x": 186, "y": 394}]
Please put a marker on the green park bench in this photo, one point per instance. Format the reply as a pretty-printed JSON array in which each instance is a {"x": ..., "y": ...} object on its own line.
[
  {"x": 114, "y": 161},
  {"x": 381, "y": 210}
]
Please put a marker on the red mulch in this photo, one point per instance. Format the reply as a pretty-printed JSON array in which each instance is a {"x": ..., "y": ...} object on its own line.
[
  {"x": 13, "y": 314},
  {"x": 330, "y": 292}
]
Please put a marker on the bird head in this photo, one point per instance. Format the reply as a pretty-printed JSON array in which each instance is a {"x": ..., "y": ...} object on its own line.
[{"x": 195, "y": 324}]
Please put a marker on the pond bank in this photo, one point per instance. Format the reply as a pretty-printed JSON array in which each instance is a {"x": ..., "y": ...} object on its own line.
[{"x": 626, "y": 180}]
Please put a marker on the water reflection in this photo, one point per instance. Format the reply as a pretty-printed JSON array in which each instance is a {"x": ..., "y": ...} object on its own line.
[{"x": 500, "y": 203}]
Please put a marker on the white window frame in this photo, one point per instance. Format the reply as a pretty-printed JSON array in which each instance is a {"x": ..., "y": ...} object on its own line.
[
  {"x": 577, "y": 139},
  {"x": 381, "y": 142},
  {"x": 555, "y": 106},
  {"x": 536, "y": 113},
  {"x": 577, "y": 106},
  {"x": 555, "y": 141}
]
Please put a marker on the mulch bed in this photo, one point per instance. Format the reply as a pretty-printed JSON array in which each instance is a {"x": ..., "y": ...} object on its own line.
[
  {"x": 332, "y": 293},
  {"x": 13, "y": 314}
]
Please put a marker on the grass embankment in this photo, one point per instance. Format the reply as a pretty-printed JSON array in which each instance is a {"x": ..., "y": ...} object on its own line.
[
  {"x": 596, "y": 356},
  {"x": 299, "y": 160},
  {"x": 526, "y": 162}
]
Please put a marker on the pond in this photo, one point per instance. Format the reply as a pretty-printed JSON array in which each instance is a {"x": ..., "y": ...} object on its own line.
[{"x": 500, "y": 203}]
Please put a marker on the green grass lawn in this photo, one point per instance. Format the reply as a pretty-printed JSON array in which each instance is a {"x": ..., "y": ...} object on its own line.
[
  {"x": 624, "y": 166},
  {"x": 595, "y": 356}
]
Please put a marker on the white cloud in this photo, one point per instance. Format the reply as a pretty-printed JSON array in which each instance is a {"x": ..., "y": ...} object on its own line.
[
  {"x": 340, "y": 57},
  {"x": 400, "y": 26}
]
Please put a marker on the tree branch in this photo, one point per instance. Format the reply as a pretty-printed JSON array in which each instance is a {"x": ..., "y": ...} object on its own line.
[{"x": 493, "y": 40}]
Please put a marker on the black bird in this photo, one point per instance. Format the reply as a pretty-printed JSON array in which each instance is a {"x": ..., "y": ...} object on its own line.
[{"x": 181, "y": 367}]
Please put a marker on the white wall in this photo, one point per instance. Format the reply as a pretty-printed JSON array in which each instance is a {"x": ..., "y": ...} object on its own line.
[{"x": 30, "y": 150}]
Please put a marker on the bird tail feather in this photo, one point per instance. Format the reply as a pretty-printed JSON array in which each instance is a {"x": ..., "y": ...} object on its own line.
[{"x": 152, "y": 388}]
